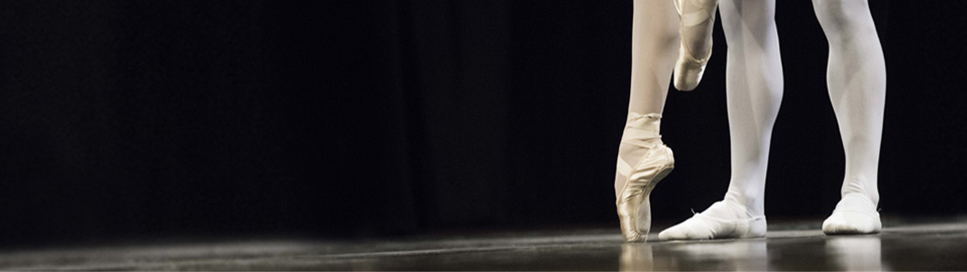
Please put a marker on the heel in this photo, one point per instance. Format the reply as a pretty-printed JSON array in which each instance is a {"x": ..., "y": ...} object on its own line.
[{"x": 756, "y": 228}]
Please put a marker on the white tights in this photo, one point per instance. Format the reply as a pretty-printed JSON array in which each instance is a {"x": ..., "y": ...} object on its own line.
[
  {"x": 856, "y": 79},
  {"x": 857, "y": 88},
  {"x": 753, "y": 93}
]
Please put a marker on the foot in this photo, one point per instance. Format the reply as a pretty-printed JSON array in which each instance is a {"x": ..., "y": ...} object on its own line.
[
  {"x": 643, "y": 161},
  {"x": 721, "y": 220},
  {"x": 854, "y": 214},
  {"x": 697, "y": 20},
  {"x": 633, "y": 204}
]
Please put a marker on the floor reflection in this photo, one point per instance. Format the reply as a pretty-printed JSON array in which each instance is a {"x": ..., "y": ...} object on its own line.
[
  {"x": 856, "y": 253},
  {"x": 636, "y": 257},
  {"x": 930, "y": 247},
  {"x": 731, "y": 255}
]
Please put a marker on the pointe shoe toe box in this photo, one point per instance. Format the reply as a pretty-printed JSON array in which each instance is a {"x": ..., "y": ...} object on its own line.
[
  {"x": 634, "y": 209},
  {"x": 688, "y": 72}
]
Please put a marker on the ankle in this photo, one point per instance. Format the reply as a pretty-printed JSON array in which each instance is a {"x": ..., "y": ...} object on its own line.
[
  {"x": 873, "y": 198},
  {"x": 641, "y": 132},
  {"x": 856, "y": 197},
  {"x": 864, "y": 185},
  {"x": 745, "y": 206}
]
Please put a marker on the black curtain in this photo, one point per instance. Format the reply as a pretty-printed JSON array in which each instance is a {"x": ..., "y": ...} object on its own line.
[{"x": 358, "y": 118}]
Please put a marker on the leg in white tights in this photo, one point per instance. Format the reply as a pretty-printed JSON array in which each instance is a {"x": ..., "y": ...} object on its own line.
[
  {"x": 642, "y": 157},
  {"x": 754, "y": 92},
  {"x": 857, "y": 88}
]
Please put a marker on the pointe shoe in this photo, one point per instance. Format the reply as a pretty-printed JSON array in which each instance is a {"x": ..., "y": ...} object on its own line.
[
  {"x": 688, "y": 68},
  {"x": 633, "y": 203},
  {"x": 854, "y": 214}
]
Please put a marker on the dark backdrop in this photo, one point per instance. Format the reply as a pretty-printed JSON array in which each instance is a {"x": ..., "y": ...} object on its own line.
[{"x": 359, "y": 118}]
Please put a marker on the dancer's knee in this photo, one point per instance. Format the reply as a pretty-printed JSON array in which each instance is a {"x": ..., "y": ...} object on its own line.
[
  {"x": 839, "y": 17},
  {"x": 837, "y": 11},
  {"x": 655, "y": 30},
  {"x": 745, "y": 20}
]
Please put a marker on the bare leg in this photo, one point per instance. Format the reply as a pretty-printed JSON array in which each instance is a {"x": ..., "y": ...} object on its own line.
[
  {"x": 856, "y": 76},
  {"x": 754, "y": 91},
  {"x": 642, "y": 158}
]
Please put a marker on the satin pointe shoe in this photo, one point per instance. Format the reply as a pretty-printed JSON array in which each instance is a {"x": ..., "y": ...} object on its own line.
[
  {"x": 656, "y": 162},
  {"x": 688, "y": 68}
]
